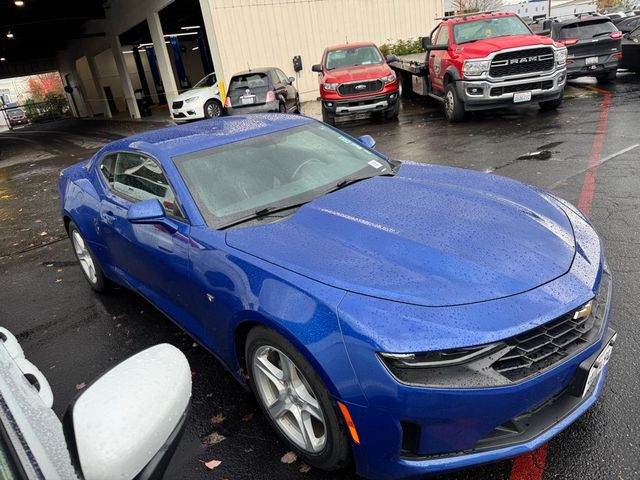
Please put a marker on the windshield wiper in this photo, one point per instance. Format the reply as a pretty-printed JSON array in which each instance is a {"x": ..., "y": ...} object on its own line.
[{"x": 263, "y": 212}]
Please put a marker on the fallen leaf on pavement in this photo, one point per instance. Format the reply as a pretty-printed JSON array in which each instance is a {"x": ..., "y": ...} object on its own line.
[
  {"x": 289, "y": 457},
  {"x": 58, "y": 280},
  {"x": 213, "y": 439},
  {"x": 219, "y": 418},
  {"x": 43, "y": 234},
  {"x": 248, "y": 417},
  {"x": 80, "y": 386},
  {"x": 304, "y": 468},
  {"x": 211, "y": 464}
]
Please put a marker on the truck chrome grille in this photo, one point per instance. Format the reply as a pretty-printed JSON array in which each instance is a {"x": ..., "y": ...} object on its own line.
[
  {"x": 522, "y": 87},
  {"x": 522, "y": 62},
  {"x": 358, "y": 88},
  {"x": 551, "y": 343}
]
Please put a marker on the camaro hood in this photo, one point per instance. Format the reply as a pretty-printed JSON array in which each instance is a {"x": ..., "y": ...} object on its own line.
[{"x": 430, "y": 235}]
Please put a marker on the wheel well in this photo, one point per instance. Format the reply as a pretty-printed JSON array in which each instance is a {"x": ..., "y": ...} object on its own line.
[
  {"x": 448, "y": 78},
  {"x": 240, "y": 340},
  {"x": 214, "y": 100},
  {"x": 67, "y": 221}
]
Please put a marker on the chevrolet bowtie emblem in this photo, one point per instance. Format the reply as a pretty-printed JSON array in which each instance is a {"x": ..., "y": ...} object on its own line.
[{"x": 584, "y": 311}]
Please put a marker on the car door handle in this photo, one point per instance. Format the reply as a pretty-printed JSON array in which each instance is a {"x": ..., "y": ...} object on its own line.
[{"x": 108, "y": 217}]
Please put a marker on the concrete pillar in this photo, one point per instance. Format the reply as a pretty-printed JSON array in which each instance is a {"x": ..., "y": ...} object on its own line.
[
  {"x": 70, "y": 77},
  {"x": 93, "y": 70},
  {"x": 162, "y": 57},
  {"x": 125, "y": 80},
  {"x": 214, "y": 45}
]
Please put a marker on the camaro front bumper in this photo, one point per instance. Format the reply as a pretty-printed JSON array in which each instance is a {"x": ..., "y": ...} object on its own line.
[{"x": 486, "y": 94}]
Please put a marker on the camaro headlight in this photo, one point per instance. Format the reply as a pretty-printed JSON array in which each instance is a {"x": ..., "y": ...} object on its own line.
[
  {"x": 389, "y": 79},
  {"x": 474, "y": 68},
  {"x": 331, "y": 86},
  {"x": 561, "y": 56},
  {"x": 191, "y": 99}
]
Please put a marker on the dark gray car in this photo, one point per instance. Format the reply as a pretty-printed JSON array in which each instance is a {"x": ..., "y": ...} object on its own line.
[
  {"x": 593, "y": 45},
  {"x": 261, "y": 90}
]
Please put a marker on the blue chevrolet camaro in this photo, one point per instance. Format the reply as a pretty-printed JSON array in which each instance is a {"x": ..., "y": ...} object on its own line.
[{"x": 413, "y": 317}]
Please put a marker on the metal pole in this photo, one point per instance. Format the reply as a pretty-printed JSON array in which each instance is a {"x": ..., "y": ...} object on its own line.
[{"x": 549, "y": 10}]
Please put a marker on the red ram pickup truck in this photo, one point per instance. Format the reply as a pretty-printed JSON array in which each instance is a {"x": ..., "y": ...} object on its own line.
[
  {"x": 356, "y": 78},
  {"x": 483, "y": 61}
]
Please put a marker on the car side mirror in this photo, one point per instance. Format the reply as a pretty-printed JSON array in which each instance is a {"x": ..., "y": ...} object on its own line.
[
  {"x": 127, "y": 424},
  {"x": 367, "y": 141},
  {"x": 291, "y": 80},
  {"x": 426, "y": 42},
  {"x": 317, "y": 68},
  {"x": 150, "y": 212},
  {"x": 392, "y": 58}
]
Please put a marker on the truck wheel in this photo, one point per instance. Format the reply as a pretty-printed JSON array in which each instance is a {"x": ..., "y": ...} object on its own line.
[
  {"x": 453, "y": 106},
  {"x": 405, "y": 88},
  {"x": 393, "y": 112},
  {"x": 607, "y": 77},
  {"x": 551, "y": 104},
  {"x": 328, "y": 118}
]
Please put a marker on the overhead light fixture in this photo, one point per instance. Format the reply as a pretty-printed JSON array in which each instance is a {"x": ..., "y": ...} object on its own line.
[
  {"x": 2, "y": 59},
  {"x": 181, "y": 34},
  {"x": 19, "y": 3},
  {"x": 191, "y": 27},
  {"x": 195, "y": 48},
  {"x": 9, "y": 34}
]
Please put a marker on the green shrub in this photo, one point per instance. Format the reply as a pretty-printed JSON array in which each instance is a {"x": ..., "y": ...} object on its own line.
[{"x": 402, "y": 47}]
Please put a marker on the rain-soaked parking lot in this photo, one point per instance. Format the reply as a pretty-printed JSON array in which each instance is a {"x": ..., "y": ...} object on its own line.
[{"x": 587, "y": 152}]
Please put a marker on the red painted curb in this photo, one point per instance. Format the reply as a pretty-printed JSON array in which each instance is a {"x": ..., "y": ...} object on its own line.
[{"x": 530, "y": 466}]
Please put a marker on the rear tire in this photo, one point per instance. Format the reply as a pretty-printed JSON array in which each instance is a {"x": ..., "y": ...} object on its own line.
[
  {"x": 453, "y": 106},
  {"x": 393, "y": 112},
  {"x": 328, "y": 118},
  {"x": 551, "y": 104},
  {"x": 607, "y": 77},
  {"x": 405, "y": 86},
  {"x": 88, "y": 263},
  {"x": 212, "y": 109},
  {"x": 282, "y": 108},
  {"x": 290, "y": 396},
  {"x": 298, "y": 109}
]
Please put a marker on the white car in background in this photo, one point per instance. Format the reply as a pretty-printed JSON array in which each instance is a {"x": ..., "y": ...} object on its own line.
[
  {"x": 124, "y": 425},
  {"x": 202, "y": 101}
]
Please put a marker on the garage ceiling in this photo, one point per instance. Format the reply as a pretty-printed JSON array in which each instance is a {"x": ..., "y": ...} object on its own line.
[{"x": 41, "y": 27}]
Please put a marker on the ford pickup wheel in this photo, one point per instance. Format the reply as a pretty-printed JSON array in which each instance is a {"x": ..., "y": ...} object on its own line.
[
  {"x": 551, "y": 104},
  {"x": 294, "y": 400},
  {"x": 328, "y": 118},
  {"x": 453, "y": 107},
  {"x": 88, "y": 264},
  {"x": 393, "y": 112}
]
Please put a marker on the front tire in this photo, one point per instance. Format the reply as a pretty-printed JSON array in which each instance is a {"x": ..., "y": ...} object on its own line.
[
  {"x": 295, "y": 401},
  {"x": 453, "y": 106},
  {"x": 328, "y": 118},
  {"x": 88, "y": 263},
  {"x": 212, "y": 109},
  {"x": 393, "y": 112},
  {"x": 551, "y": 104}
]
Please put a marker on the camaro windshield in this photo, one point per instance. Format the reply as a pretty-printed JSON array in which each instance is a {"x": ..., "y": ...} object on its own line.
[
  {"x": 241, "y": 180},
  {"x": 489, "y": 28}
]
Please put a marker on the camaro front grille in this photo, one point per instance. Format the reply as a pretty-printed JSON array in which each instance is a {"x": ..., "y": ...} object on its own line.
[
  {"x": 551, "y": 343},
  {"x": 357, "y": 88},
  {"x": 522, "y": 61}
]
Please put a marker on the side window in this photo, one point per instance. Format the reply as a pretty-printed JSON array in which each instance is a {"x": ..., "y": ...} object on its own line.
[
  {"x": 283, "y": 78},
  {"x": 443, "y": 36},
  {"x": 140, "y": 178}
]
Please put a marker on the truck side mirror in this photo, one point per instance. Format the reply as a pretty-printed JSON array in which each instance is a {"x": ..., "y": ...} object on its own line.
[
  {"x": 426, "y": 42},
  {"x": 128, "y": 423},
  {"x": 317, "y": 68}
]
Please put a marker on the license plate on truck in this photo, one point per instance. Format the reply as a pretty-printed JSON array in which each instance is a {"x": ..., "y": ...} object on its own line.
[
  {"x": 521, "y": 97},
  {"x": 591, "y": 61}
]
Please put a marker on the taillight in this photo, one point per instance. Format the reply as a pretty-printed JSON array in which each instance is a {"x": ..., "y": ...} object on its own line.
[
  {"x": 618, "y": 55},
  {"x": 227, "y": 103},
  {"x": 271, "y": 97},
  {"x": 616, "y": 34},
  {"x": 568, "y": 41}
]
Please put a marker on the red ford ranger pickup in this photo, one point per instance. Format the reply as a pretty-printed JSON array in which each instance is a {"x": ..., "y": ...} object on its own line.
[
  {"x": 356, "y": 78},
  {"x": 484, "y": 61}
]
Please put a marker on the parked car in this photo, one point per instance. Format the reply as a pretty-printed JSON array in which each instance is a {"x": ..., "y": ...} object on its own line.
[
  {"x": 202, "y": 101},
  {"x": 629, "y": 24},
  {"x": 485, "y": 61},
  {"x": 261, "y": 90},
  {"x": 17, "y": 117},
  {"x": 631, "y": 51},
  {"x": 371, "y": 312},
  {"x": 356, "y": 79},
  {"x": 593, "y": 45},
  {"x": 110, "y": 430}
]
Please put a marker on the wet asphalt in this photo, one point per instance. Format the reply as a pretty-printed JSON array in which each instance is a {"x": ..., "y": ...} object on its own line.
[{"x": 73, "y": 335}]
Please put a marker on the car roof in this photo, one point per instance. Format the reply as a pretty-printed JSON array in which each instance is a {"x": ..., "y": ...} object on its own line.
[
  {"x": 204, "y": 134},
  {"x": 470, "y": 17},
  {"x": 254, "y": 70},
  {"x": 344, "y": 46},
  {"x": 589, "y": 18}
]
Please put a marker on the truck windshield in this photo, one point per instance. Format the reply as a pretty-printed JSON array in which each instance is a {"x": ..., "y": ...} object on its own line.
[
  {"x": 352, "y": 57},
  {"x": 489, "y": 28},
  {"x": 584, "y": 30}
]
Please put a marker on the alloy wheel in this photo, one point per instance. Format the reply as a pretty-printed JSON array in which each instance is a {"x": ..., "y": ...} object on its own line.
[
  {"x": 213, "y": 110},
  {"x": 289, "y": 399},
  {"x": 84, "y": 257},
  {"x": 449, "y": 103}
]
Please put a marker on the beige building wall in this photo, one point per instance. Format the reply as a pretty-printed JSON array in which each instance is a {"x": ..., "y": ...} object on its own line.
[{"x": 260, "y": 33}]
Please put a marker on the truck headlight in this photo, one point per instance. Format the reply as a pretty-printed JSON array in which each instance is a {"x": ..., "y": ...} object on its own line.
[
  {"x": 331, "y": 86},
  {"x": 561, "y": 56},
  {"x": 191, "y": 99},
  {"x": 474, "y": 68},
  {"x": 389, "y": 79}
]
